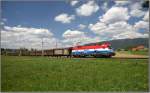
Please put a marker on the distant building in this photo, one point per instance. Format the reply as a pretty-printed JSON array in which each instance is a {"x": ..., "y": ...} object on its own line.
[{"x": 140, "y": 47}]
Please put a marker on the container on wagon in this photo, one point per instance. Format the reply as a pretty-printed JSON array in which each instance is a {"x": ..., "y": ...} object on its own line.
[{"x": 58, "y": 52}]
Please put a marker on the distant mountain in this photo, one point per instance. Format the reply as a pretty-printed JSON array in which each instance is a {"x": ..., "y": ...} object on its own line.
[{"x": 125, "y": 43}]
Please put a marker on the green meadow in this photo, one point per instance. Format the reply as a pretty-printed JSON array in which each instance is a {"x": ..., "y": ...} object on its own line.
[
  {"x": 140, "y": 52},
  {"x": 73, "y": 74}
]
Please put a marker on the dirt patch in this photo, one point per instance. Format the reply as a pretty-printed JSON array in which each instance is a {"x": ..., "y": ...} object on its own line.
[{"x": 124, "y": 55}]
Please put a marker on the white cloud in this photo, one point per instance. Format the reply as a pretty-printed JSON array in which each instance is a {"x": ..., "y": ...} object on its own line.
[
  {"x": 111, "y": 29},
  {"x": 87, "y": 9},
  {"x": 135, "y": 5},
  {"x": 64, "y": 18},
  {"x": 96, "y": 28},
  {"x": 4, "y": 19},
  {"x": 81, "y": 26},
  {"x": 24, "y": 30},
  {"x": 16, "y": 37},
  {"x": 2, "y": 23},
  {"x": 73, "y": 34},
  {"x": 74, "y": 37},
  {"x": 142, "y": 24},
  {"x": 137, "y": 13},
  {"x": 146, "y": 16},
  {"x": 115, "y": 14},
  {"x": 136, "y": 9},
  {"x": 130, "y": 35},
  {"x": 105, "y": 6},
  {"x": 123, "y": 2},
  {"x": 74, "y": 2},
  {"x": 117, "y": 30}
]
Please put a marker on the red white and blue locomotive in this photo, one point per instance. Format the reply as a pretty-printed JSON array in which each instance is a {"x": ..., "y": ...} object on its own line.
[{"x": 103, "y": 50}]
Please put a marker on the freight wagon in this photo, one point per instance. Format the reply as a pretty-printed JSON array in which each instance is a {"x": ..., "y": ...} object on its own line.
[
  {"x": 32, "y": 53},
  {"x": 53, "y": 52},
  {"x": 38, "y": 53},
  {"x": 49, "y": 52},
  {"x": 62, "y": 52}
]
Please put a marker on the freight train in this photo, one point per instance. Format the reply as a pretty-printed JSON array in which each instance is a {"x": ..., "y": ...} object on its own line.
[{"x": 103, "y": 50}]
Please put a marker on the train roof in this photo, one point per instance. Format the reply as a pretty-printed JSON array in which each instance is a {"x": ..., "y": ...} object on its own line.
[{"x": 104, "y": 45}]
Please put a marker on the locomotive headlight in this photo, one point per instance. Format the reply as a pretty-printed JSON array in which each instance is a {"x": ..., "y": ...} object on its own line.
[{"x": 111, "y": 50}]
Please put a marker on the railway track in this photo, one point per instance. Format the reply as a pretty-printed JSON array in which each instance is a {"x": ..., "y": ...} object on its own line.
[
  {"x": 114, "y": 57},
  {"x": 130, "y": 57}
]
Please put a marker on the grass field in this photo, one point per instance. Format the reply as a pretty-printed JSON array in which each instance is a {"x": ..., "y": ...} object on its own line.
[
  {"x": 140, "y": 52},
  {"x": 62, "y": 74}
]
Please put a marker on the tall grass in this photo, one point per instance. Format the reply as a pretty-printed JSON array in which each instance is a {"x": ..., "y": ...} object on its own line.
[{"x": 65, "y": 74}]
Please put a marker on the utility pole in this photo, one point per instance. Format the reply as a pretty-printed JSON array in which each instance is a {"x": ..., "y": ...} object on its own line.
[
  {"x": 78, "y": 43},
  {"x": 56, "y": 43},
  {"x": 42, "y": 48},
  {"x": 20, "y": 52}
]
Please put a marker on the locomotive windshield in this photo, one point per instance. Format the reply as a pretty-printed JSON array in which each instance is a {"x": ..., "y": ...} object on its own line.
[{"x": 110, "y": 47}]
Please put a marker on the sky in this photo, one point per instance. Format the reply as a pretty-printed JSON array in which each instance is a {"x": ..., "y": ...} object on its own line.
[{"x": 64, "y": 23}]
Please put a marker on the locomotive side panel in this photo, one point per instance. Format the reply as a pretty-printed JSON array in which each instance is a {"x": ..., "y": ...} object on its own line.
[{"x": 103, "y": 50}]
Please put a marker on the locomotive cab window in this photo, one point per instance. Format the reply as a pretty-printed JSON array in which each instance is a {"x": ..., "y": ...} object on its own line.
[{"x": 110, "y": 47}]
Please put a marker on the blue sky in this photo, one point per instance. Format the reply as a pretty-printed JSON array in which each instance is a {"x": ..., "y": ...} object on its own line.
[
  {"x": 41, "y": 15},
  {"x": 62, "y": 19}
]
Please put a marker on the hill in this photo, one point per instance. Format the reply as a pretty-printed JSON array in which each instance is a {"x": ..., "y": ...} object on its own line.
[{"x": 125, "y": 43}]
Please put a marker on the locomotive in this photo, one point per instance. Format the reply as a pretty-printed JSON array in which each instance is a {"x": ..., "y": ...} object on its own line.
[{"x": 103, "y": 50}]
